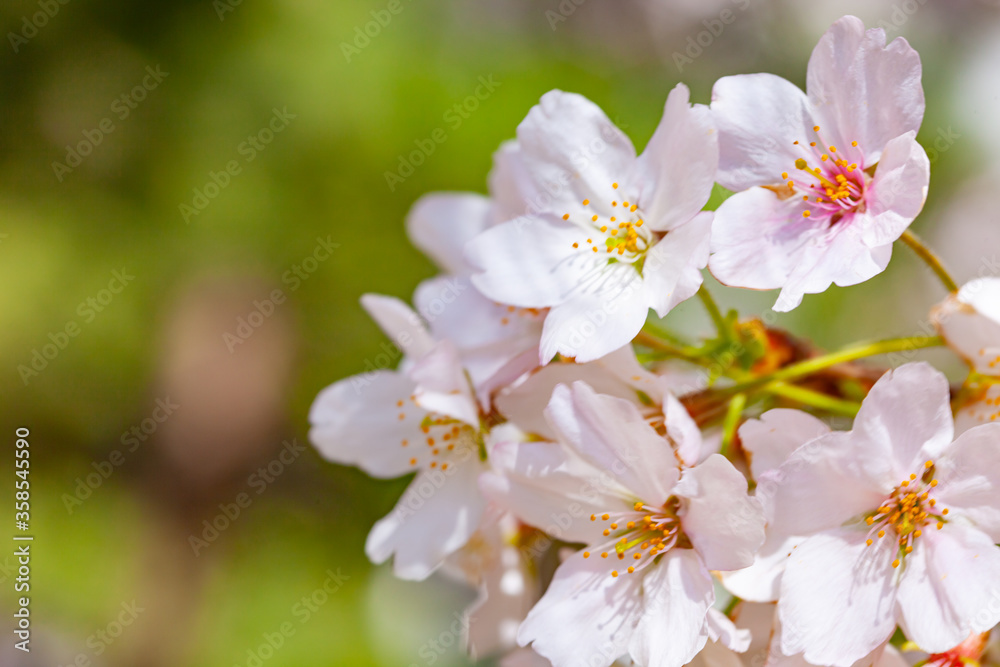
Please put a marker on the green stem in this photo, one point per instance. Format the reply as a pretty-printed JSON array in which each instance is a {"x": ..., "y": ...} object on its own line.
[
  {"x": 814, "y": 398},
  {"x": 654, "y": 343},
  {"x": 929, "y": 258},
  {"x": 731, "y": 422},
  {"x": 713, "y": 311},
  {"x": 858, "y": 351}
]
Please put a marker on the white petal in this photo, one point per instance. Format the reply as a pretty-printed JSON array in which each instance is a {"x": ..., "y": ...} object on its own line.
[
  {"x": 531, "y": 262},
  {"x": 434, "y": 517},
  {"x": 839, "y": 256},
  {"x": 356, "y": 422},
  {"x": 759, "y": 117},
  {"x": 613, "y": 435},
  {"x": 970, "y": 322},
  {"x": 571, "y": 148},
  {"x": 672, "y": 270},
  {"x": 761, "y": 582},
  {"x": 725, "y": 525},
  {"x": 772, "y": 438},
  {"x": 759, "y": 239},
  {"x": 838, "y": 601},
  {"x": 909, "y": 408},
  {"x": 725, "y": 632},
  {"x": 441, "y": 223},
  {"x": 594, "y": 324},
  {"x": 677, "y": 594},
  {"x": 825, "y": 483},
  {"x": 897, "y": 193},
  {"x": 548, "y": 487},
  {"x": 677, "y": 169},
  {"x": 950, "y": 587},
  {"x": 586, "y": 616},
  {"x": 399, "y": 323},
  {"x": 683, "y": 431},
  {"x": 863, "y": 90},
  {"x": 513, "y": 191},
  {"x": 969, "y": 478},
  {"x": 442, "y": 387},
  {"x": 618, "y": 374}
]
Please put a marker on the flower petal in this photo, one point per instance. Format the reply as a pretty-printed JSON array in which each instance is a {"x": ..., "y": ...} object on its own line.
[
  {"x": 759, "y": 117},
  {"x": 758, "y": 239},
  {"x": 725, "y": 524},
  {"x": 547, "y": 486},
  {"x": 398, "y": 321},
  {"x": 826, "y": 482},
  {"x": 969, "y": 478},
  {"x": 586, "y": 617},
  {"x": 897, "y": 193},
  {"x": 677, "y": 170},
  {"x": 356, "y": 422},
  {"x": 761, "y": 581},
  {"x": 950, "y": 587},
  {"x": 441, "y": 223},
  {"x": 442, "y": 387},
  {"x": 530, "y": 262},
  {"x": 909, "y": 408},
  {"x": 571, "y": 148},
  {"x": 677, "y": 594},
  {"x": 672, "y": 270},
  {"x": 614, "y": 437},
  {"x": 772, "y": 438},
  {"x": 838, "y": 601},
  {"x": 863, "y": 90},
  {"x": 593, "y": 324},
  {"x": 434, "y": 517}
]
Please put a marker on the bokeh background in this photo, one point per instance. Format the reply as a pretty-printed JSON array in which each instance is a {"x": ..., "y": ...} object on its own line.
[{"x": 93, "y": 183}]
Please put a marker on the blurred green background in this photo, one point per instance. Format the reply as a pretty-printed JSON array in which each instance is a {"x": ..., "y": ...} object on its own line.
[{"x": 351, "y": 107}]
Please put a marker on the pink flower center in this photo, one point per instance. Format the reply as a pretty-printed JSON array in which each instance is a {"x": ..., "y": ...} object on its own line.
[
  {"x": 640, "y": 535},
  {"x": 830, "y": 183},
  {"x": 907, "y": 511}
]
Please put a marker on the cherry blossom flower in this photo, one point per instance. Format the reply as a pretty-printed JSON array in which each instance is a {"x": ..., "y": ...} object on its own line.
[
  {"x": 642, "y": 587},
  {"x": 621, "y": 234},
  {"x": 421, "y": 418},
  {"x": 827, "y": 180},
  {"x": 899, "y": 524}
]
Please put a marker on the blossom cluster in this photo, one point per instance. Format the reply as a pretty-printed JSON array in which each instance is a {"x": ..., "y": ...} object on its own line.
[{"x": 608, "y": 510}]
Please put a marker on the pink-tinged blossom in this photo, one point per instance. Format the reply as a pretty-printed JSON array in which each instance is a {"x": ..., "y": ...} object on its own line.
[
  {"x": 642, "y": 587},
  {"x": 826, "y": 180},
  {"x": 620, "y": 234},
  {"x": 897, "y": 523}
]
